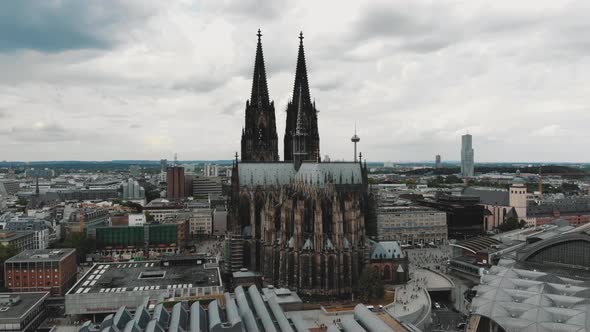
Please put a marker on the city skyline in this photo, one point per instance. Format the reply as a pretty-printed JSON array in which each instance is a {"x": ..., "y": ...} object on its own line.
[{"x": 81, "y": 79}]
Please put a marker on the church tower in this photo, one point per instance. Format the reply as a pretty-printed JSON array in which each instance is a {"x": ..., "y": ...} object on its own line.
[
  {"x": 259, "y": 135},
  {"x": 299, "y": 141},
  {"x": 302, "y": 101}
]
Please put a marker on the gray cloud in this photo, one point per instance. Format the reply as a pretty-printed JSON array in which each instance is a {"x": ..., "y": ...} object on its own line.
[
  {"x": 414, "y": 76},
  {"x": 234, "y": 108},
  {"x": 54, "y": 26}
]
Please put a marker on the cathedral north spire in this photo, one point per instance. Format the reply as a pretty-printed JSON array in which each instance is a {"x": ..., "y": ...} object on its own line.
[
  {"x": 259, "y": 137},
  {"x": 259, "y": 85}
]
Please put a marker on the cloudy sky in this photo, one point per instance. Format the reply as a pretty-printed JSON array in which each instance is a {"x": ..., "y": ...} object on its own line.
[{"x": 141, "y": 79}]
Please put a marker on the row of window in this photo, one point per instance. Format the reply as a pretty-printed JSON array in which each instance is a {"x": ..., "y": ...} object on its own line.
[
  {"x": 32, "y": 271},
  {"x": 48, "y": 283}
]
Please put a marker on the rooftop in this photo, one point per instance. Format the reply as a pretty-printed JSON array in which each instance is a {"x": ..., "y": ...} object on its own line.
[
  {"x": 23, "y": 303},
  {"x": 42, "y": 255},
  {"x": 280, "y": 173},
  {"x": 520, "y": 300},
  {"x": 477, "y": 244},
  {"x": 127, "y": 277},
  {"x": 489, "y": 196}
]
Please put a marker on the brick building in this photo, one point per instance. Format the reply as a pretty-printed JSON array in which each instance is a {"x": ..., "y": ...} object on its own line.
[
  {"x": 175, "y": 181},
  {"x": 47, "y": 270}
]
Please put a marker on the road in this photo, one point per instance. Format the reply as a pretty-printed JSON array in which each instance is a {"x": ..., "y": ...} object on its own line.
[{"x": 445, "y": 319}]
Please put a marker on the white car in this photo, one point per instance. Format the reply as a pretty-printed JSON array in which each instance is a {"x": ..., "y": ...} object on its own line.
[{"x": 437, "y": 305}]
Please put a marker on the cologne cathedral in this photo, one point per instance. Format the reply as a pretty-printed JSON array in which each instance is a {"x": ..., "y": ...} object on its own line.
[{"x": 302, "y": 221}]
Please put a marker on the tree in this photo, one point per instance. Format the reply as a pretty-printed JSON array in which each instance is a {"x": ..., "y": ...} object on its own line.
[
  {"x": 6, "y": 251},
  {"x": 83, "y": 244},
  {"x": 370, "y": 285},
  {"x": 511, "y": 222},
  {"x": 21, "y": 201},
  {"x": 149, "y": 218}
]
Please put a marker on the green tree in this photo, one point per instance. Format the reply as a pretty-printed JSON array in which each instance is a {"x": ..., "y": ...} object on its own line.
[
  {"x": 511, "y": 222},
  {"x": 370, "y": 285},
  {"x": 149, "y": 218},
  {"x": 6, "y": 251},
  {"x": 83, "y": 244}
]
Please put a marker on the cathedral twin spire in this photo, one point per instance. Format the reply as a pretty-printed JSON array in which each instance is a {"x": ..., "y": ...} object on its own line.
[{"x": 259, "y": 136}]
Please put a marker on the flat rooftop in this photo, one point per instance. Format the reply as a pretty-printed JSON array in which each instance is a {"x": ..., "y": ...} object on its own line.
[
  {"x": 41, "y": 255},
  {"x": 27, "y": 301},
  {"x": 146, "y": 275}
]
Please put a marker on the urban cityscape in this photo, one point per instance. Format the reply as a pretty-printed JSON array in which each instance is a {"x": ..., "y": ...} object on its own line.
[{"x": 119, "y": 214}]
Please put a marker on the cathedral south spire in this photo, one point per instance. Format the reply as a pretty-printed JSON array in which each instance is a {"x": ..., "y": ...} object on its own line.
[
  {"x": 302, "y": 100},
  {"x": 299, "y": 146},
  {"x": 259, "y": 137}
]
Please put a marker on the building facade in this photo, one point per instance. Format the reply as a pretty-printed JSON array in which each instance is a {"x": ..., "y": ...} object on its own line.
[
  {"x": 200, "y": 222},
  {"x": 206, "y": 186},
  {"x": 22, "y": 312},
  {"x": 437, "y": 162},
  {"x": 467, "y": 156},
  {"x": 52, "y": 271},
  {"x": 19, "y": 240},
  {"x": 412, "y": 225},
  {"x": 41, "y": 231},
  {"x": 175, "y": 182},
  {"x": 132, "y": 190}
]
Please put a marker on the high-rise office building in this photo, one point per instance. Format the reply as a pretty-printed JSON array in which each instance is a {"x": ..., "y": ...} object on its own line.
[
  {"x": 467, "y": 163},
  {"x": 437, "y": 162},
  {"x": 132, "y": 190},
  {"x": 175, "y": 181},
  {"x": 210, "y": 170}
]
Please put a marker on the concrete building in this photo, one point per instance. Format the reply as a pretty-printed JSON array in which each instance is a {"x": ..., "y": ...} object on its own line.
[
  {"x": 498, "y": 202},
  {"x": 210, "y": 170},
  {"x": 22, "y": 312},
  {"x": 136, "y": 219},
  {"x": 206, "y": 186},
  {"x": 39, "y": 173},
  {"x": 467, "y": 156},
  {"x": 162, "y": 209},
  {"x": 93, "y": 218},
  {"x": 437, "y": 162},
  {"x": 132, "y": 190},
  {"x": 122, "y": 237},
  {"x": 233, "y": 252},
  {"x": 20, "y": 240},
  {"x": 200, "y": 222},
  {"x": 175, "y": 182},
  {"x": 52, "y": 271},
  {"x": 9, "y": 187},
  {"x": 84, "y": 194},
  {"x": 41, "y": 231},
  {"x": 107, "y": 287},
  {"x": 465, "y": 216},
  {"x": 411, "y": 225},
  {"x": 219, "y": 220}
]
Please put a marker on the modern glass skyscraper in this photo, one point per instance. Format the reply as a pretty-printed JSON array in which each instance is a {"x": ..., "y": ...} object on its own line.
[{"x": 467, "y": 163}]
